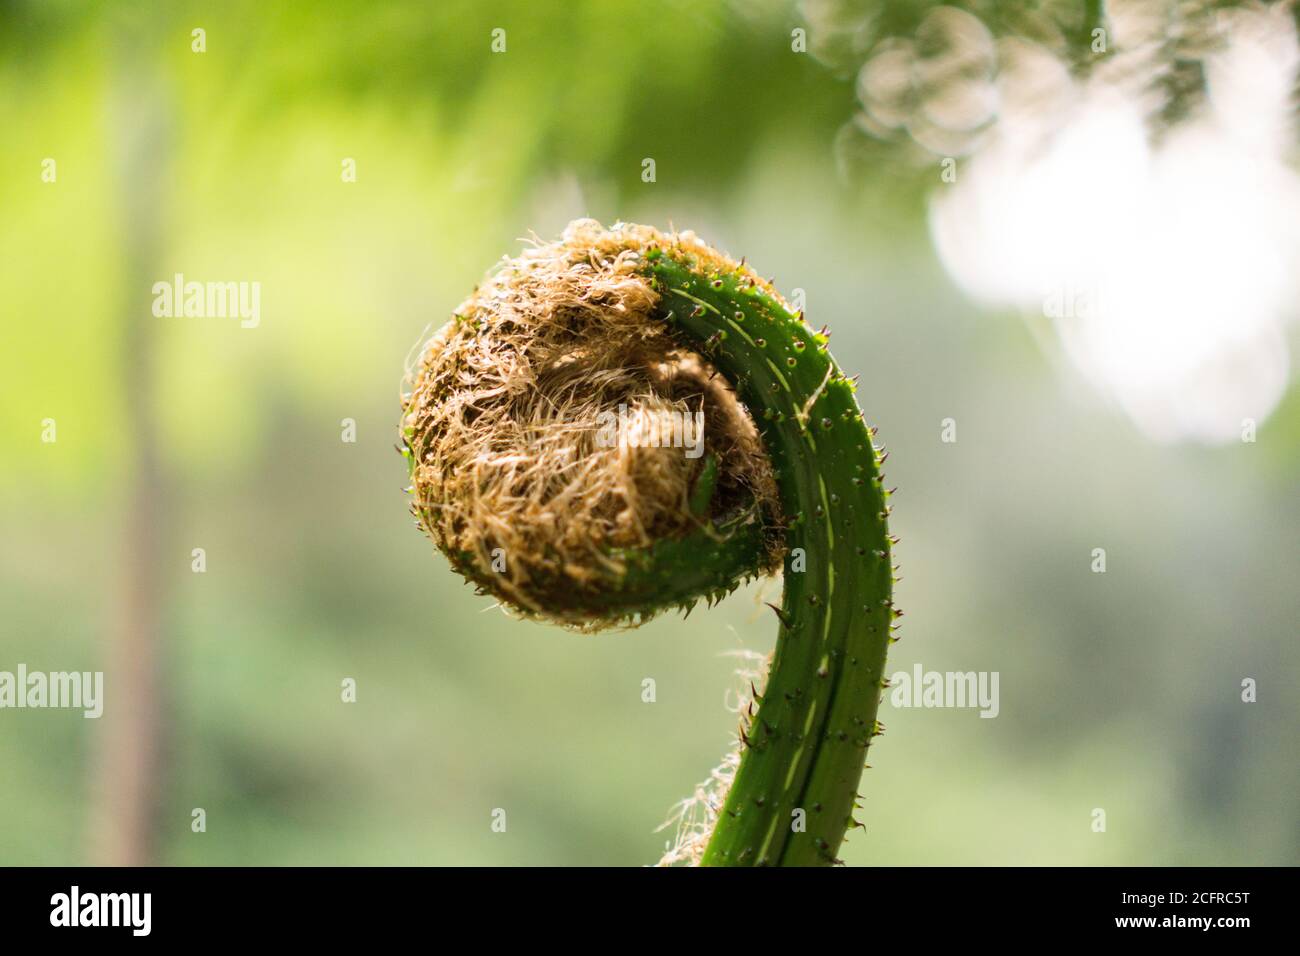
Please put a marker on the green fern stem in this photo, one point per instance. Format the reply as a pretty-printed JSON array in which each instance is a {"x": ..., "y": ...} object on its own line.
[{"x": 804, "y": 748}]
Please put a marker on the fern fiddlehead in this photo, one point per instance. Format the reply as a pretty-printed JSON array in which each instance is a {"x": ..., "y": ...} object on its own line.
[{"x": 511, "y": 479}]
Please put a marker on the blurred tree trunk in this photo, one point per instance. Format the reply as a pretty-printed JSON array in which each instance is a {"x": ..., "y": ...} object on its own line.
[{"x": 129, "y": 769}]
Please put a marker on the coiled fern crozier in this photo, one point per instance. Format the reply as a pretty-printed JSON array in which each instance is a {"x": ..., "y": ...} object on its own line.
[{"x": 516, "y": 479}]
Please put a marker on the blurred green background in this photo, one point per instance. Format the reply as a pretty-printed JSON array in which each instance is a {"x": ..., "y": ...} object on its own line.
[{"x": 1119, "y": 691}]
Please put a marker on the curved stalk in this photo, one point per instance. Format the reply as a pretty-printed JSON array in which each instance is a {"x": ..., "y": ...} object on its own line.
[{"x": 806, "y": 744}]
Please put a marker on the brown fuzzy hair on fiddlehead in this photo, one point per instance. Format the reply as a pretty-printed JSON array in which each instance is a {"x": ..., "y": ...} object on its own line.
[{"x": 506, "y": 415}]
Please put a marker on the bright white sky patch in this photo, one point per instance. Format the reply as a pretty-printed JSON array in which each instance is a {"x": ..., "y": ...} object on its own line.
[{"x": 1168, "y": 266}]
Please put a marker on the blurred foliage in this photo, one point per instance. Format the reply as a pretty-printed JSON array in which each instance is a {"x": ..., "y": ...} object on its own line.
[
  {"x": 1119, "y": 691},
  {"x": 926, "y": 70}
]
